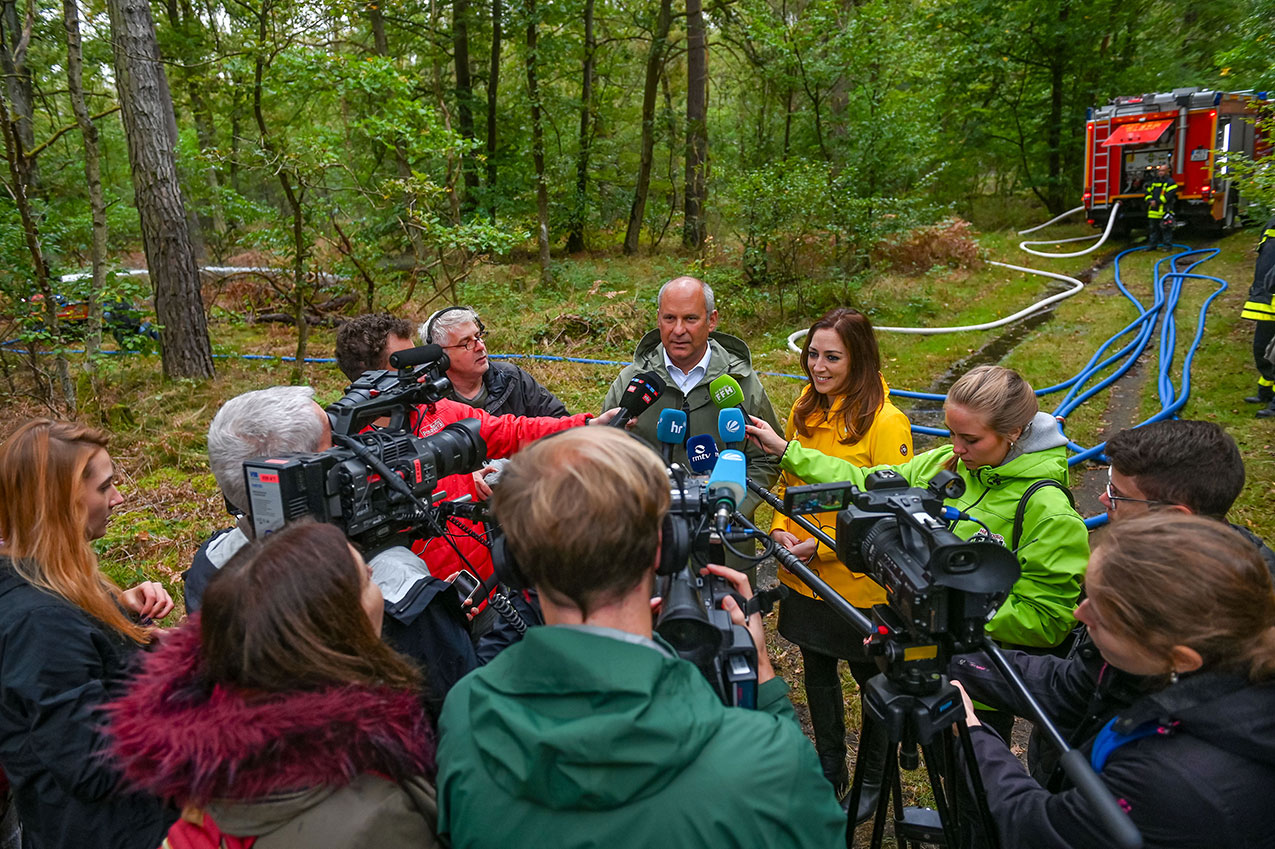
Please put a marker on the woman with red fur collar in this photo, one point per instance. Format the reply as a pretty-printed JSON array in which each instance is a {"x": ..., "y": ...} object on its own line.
[{"x": 279, "y": 714}]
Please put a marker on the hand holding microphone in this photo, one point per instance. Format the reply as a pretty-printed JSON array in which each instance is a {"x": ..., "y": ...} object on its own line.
[{"x": 643, "y": 390}]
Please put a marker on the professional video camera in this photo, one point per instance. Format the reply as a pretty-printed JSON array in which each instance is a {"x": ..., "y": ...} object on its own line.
[
  {"x": 374, "y": 483},
  {"x": 940, "y": 589},
  {"x": 692, "y": 619}
]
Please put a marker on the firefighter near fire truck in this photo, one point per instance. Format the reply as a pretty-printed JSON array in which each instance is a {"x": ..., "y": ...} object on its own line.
[
  {"x": 1161, "y": 196},
  {"x": 1260, "y": 307}
]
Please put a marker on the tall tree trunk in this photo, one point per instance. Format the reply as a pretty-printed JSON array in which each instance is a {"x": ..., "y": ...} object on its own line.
[
  {"x": 464, "y": 99},
  {"x": 575, "y": 239},
  {"x": 1053, "y": 128},
  {"x": 149, "y": 126},
  {"x": 693, "y": 227},
  {"x": 493, "y": 87},
  {"x": 15, "y": 38},
  {"x": 92, "y": 174},
  {"x": 15, "y": 156},
  {"x": 654, "y": 62},
  {"x": 537, "y": 142}
]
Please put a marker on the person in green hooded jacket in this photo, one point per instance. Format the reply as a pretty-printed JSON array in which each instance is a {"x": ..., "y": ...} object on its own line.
[
  {"x": 591, "y": 731},
  {"x": 1002, "y": 445}
]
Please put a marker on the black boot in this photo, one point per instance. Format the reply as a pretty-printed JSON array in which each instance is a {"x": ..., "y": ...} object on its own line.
[
  {"x": 1267, "y": 412},
  {"x": 828, "y": 720},
  {"x": 1264, "y": 395},
  {"x": 872, "y": 751}
]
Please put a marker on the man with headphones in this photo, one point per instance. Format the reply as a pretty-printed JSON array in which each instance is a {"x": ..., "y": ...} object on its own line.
[
  {"x": 591, "y": 731},
  {"x": 497, "y": 387}
]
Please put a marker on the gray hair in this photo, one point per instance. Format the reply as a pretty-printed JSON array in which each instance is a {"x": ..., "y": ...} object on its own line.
[
  {"x": 270, "y": 421},
  {"x": 710, "y": 303},
  {"x": 451, "y": 318}
]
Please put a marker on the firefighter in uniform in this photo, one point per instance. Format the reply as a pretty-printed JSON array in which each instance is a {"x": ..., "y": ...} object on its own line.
[
  {"x": 1260, "y": 307},
  {"x": 1160, "y": 194}
]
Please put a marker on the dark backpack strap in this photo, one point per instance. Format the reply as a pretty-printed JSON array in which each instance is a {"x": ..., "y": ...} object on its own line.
[{"x": 1021, "y": 511}]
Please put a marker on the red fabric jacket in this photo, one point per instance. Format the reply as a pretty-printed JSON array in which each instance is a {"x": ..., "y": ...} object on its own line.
[{"x": 504, "y": 435}]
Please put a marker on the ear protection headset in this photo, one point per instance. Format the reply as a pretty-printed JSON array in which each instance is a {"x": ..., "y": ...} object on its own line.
[
  {"x": 675, "y": 551},
  {"x": 433, "y": 320}
]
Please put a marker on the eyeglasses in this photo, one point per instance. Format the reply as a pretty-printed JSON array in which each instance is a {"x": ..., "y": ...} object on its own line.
[
  {"x": 471, "y": 343},
  {"x": 1115, "y": 499}
]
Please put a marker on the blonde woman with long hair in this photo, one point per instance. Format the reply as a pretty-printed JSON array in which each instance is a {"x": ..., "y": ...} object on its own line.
[{"x": 68, "y": 634}]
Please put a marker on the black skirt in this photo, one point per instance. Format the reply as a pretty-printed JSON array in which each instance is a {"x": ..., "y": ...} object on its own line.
[{"x": 815, "y": 626}]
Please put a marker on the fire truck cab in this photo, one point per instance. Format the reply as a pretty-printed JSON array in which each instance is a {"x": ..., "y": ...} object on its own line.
[{"x": 1189, "y": 129}]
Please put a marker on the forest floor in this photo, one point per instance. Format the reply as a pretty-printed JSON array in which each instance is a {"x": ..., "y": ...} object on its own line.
[{"x": 597, "y": 307}]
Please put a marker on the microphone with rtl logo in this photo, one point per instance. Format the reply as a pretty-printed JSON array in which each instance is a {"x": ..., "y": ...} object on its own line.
[
  {"x": 670, "y": 431},
  {"x": 643, "y": 391},
  {"x": 730, "y": 427},
  {"x": 701, "y": 453}
]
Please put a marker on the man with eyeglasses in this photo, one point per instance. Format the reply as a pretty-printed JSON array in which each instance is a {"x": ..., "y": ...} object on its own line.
[
  {"x": 1191, "y": 466},
  {"x": 497, "y": 387}
]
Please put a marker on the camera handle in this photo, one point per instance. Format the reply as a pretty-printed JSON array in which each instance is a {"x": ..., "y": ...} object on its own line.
[{"x": 1117, "y": 822}]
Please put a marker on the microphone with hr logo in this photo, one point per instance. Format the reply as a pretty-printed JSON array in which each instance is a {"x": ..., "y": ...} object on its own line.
[
  {"x": 730, "y": 427},
  {"x": 643, "y": 391},
  {"x": 670, "y": 431},
  {"x": 701, "y": 453}
]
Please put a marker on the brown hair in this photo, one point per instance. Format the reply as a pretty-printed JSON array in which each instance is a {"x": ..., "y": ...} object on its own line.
[
  {"x": 1171, "y": 579},
  {"x": 1195, "y": 464},
  {"x": 863, "y": 394},
  {"x": 361, "y": 341},
  {"x": 284, "y": 614},
  {"x": 42, "y": 523},
  {"x": 999, "y": 395},
  {"x": 582, "y": 511}
]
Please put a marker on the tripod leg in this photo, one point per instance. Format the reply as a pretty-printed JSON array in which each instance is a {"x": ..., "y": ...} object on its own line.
[
  {"x": 891, "y": 774},
  {"x": 937, "y": 765},
  {"x": 990, "y": 834}
]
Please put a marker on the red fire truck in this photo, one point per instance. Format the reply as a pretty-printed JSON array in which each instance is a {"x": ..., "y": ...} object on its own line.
[{"x": 1188, "y": 129}]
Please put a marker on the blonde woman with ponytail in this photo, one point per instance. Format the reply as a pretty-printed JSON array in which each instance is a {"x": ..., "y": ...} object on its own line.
[
  {"x": 1177, "y": 714},
  {"x": 67, "y": 635}
]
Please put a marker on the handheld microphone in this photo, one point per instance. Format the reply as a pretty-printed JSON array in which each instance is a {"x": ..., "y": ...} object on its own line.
[
  {"x": 730, "y": 426},
  {"x": 643, "y": 391},
  {"x": 701, "y": 453},
  {"x": 419, "y": 356},
  {"x": 726, "y": 393},
  {"x": 727, "y": 485},
  {"x": 670, "y": 431}
]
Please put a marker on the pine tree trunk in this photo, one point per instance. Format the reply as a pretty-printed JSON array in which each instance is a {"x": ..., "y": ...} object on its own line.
[
  {"x": 654, "y": 62},
  {"x": 148, "y": 126},
  {"x": 693, "y": 227},
  {"x": 575, "y": 239},
  {"x": 537, "y": 143},
  {"x": 15, "y": 35},
  {"x": 493, "y": 87},
  {"x": 464, "y": 98}
]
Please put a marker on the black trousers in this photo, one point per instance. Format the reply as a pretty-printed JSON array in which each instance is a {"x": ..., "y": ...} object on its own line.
[{"x": 1263, "y": 333}]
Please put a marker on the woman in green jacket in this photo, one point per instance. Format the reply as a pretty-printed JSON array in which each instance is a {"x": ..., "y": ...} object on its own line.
[{"x": 1002, "y": 444}]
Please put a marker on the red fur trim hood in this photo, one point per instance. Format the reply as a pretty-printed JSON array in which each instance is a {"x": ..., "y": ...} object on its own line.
[{"x": 174, "y": 738}]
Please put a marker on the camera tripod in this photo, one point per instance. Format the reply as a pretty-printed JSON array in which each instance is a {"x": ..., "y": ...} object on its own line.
[{"x": 910, "y": 720}]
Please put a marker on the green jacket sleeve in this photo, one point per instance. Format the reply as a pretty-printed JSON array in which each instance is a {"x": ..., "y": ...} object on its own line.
[
  {"x": 817, "y": 467},
  {"x": 1053, "y": 553},
  {"x": 762, "y": 468}
]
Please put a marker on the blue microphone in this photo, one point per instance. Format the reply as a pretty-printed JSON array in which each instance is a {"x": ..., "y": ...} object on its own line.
[
  {"x": 670, "y": 431},
  {"x": 701, "y": 453},
  {"x": 730, "y": 426},
  {"x": 727, "y": 485}
]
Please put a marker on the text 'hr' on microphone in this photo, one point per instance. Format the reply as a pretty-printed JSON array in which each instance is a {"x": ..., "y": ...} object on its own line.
[
  {"x": 643, "y": 390},
  {"x": 730, "y": 427},
  {"x": 701, "y": 453},
  {"x": 670, "y": 431}
]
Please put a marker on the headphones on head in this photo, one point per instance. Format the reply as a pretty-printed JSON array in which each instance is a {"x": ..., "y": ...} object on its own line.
[
  {"x": 675, "y": 551},
  {"x": 433, "y": 320}
]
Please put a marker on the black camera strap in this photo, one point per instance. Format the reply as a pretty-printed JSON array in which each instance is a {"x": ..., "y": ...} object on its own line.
[{"x": 1021, "y": 511}]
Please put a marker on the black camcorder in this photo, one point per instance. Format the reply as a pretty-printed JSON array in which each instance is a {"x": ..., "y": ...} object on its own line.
[
  {"x": 940, "y": 590},
  {"x": 375, "y": 483}
]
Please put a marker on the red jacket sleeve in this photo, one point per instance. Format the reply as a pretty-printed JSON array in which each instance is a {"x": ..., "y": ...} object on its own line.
[{"x": 504, "y": 435}]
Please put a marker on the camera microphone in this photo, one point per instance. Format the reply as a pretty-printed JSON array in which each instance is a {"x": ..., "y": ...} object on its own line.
[
  {"x": 726, "y": 394},
  {"x": 701, "y": 454},
  {"x": 670, "y": 431},
  {"x": 419, "y": 356},
  {"x": 643, "y": 390},
  {"x": 727, "y": 485},
  {"x": 730, "y": 427}
]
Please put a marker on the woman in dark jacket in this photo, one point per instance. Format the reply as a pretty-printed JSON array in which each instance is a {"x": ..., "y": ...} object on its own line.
[
  {"x": 1186, "y": 603},
  {"x": 67, "y": 634},
  {"x": 279, "y": 714}
]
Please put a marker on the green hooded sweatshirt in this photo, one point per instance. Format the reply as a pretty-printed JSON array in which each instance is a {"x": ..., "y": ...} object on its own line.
[
  {"x": 578, "y": 738},
  {"x": 1053, "y": 549}
]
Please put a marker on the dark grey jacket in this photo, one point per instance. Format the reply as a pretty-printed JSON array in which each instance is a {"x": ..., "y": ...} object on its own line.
[{"x": 511, "y": 391}]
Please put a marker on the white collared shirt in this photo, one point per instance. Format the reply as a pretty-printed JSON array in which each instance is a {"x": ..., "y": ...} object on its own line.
[{"x": 687, "y": 380}]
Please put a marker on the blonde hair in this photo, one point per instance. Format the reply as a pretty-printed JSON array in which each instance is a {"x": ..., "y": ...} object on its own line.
[
  {"x": 582, "y": 511},
  {"x": 1169, "y": 578},
  {"x": 999, "y": 395},
  {"x": 42, "y": 521}
]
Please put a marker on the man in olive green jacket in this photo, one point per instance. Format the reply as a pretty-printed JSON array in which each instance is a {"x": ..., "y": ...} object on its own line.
[{"x": 591, "y": 731}]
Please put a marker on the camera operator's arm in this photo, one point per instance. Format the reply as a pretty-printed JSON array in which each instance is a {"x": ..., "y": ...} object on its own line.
[
  {"x": 739, "y": 582},
  {"x": 504, "y": 435},
  {"x": 1064, "y": 687}
]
